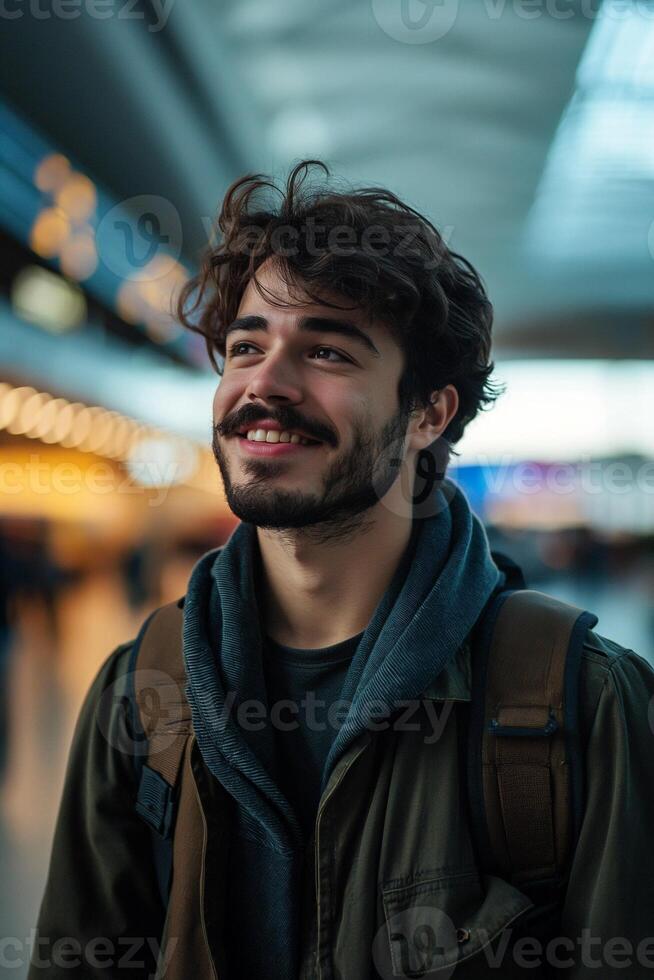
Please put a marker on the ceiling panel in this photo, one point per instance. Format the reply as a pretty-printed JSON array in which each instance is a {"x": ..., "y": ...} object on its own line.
[{"x": 461, "y": 126}]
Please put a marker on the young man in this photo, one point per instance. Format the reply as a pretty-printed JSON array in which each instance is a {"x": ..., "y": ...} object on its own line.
[{"x": 317, "y": 820}]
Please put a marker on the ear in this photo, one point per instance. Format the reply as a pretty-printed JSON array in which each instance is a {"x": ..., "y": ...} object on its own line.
[{"x": 429, "y": 422}]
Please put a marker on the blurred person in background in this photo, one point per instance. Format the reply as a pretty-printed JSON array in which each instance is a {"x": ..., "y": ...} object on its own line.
[
  {"x": 354, "y": 349},
  {"x": 5, "y": 645},
  {"x": 30, "y": 582}
]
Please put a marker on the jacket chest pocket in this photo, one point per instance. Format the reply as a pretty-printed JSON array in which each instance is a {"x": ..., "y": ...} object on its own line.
[{"x": 440, "y": 919}]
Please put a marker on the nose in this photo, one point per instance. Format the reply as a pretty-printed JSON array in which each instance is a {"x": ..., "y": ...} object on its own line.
[{"x": 274, "y": 381}]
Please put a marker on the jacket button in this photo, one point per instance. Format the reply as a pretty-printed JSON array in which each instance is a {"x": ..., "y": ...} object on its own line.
[{"x": 462, "y": 935}]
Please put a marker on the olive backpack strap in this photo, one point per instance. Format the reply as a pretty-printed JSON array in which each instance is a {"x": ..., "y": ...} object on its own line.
[
  {"x": 525, "y": 764},
  {"x": 161, "y": 720}
]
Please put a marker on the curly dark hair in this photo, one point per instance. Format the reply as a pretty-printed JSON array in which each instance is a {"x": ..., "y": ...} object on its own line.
[{"x": 375, "y": 251}]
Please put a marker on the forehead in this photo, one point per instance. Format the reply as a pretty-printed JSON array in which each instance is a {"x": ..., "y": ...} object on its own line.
[{"x": 284, "y": 304}]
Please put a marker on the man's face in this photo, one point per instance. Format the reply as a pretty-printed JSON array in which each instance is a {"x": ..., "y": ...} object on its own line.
[{"x": 335, "y": 384}]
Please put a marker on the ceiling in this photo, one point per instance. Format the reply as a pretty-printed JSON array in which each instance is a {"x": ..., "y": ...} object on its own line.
[{"x": 458, "y": 116}]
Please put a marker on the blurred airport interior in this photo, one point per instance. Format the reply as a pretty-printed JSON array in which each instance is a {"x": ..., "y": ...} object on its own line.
[{"x": 523, "y": 131}]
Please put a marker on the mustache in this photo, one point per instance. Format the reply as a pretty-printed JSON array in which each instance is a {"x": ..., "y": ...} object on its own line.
[{"x": 285, "y": 416}]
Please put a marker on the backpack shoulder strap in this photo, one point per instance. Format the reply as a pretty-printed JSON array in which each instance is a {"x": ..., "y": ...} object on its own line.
[
  {"x": 525, "y": 767},
  {"x": 162, "y": 721}
]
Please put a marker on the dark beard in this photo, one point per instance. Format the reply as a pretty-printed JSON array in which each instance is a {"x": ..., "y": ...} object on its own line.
[{"x": 353, "y": 484}]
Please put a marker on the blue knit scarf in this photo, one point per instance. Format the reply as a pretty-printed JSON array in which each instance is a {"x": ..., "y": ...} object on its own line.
[{"x": 438, "y": 591}]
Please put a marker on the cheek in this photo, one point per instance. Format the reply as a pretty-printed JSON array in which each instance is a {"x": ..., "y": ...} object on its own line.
[
  {"x": 373, "y": 408},
  {"x": 354, "y": 412},
  {"x": 340, "y": 404},
  {"x": 371, "y": 404},
  {"x": 224, "y": 400}
]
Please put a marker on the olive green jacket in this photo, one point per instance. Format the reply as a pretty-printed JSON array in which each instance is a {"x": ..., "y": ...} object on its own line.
[{"x": 392, "y": 888}]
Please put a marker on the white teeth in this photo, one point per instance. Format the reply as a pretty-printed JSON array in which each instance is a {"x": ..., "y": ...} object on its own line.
[{"x": 274, "y": 435}]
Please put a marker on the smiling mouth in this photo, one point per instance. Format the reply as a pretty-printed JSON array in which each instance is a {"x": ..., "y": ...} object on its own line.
[
  {"x": 274, "y": 437},
  {"x": 274, "y": 450}
]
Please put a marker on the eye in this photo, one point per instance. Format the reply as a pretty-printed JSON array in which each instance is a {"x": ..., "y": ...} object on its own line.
[
  {"x": 331, "y": 350},
  {"x": 233, "y": 350}
]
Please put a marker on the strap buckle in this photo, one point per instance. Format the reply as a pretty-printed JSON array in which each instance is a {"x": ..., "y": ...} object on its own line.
[
  {"x": 155, "y": 802},
  {"x": 524, "y": 721}
]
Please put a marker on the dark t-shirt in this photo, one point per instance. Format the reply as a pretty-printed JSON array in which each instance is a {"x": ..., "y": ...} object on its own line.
[{"x": 303, "y": 689}]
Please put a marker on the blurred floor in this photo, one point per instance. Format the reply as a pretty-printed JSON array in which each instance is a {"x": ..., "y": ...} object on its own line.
[{"x": 48, "y": 681}]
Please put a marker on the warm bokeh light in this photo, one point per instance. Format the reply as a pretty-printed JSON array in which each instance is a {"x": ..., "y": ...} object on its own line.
[
  {"x": 77, "y": 197},
  {"x": 11, "y": 406},
  {"x": 30, "y": 412},
  {"x": 49, "y": 232},
  {"x": 128, "y": 303},
  {"x": 79, "y": 427},
  {"x": 160, "y": 458},
  {"x": 79, "y": 257},
  {"x": 53, "y": 171},
  {"x": 149, "y": 298},
  {"x": 47, "y": 299}
]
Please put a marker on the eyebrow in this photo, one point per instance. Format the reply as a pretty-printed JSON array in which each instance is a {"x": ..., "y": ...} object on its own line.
[{"x": 310, "y": 324}]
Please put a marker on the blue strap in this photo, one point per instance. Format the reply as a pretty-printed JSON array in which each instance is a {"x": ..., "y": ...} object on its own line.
[{"x": 480, "y": 651}]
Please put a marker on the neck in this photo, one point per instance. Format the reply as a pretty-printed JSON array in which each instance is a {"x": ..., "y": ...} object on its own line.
[{"x": 315, "y": 594}]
